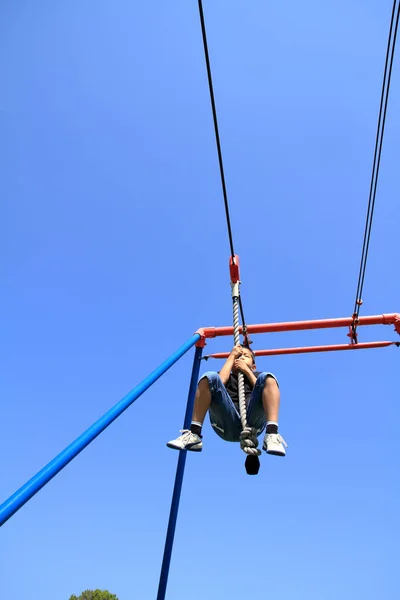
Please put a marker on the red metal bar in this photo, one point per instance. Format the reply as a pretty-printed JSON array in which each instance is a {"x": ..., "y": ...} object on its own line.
[
  {"x": 389, "y": 319},
  {"x": 280, "y": 351}
]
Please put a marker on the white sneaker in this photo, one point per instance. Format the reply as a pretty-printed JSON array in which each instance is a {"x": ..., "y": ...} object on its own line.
[
  {"x": 274, "y": 444},
  {"x": 187, "y": 441}
]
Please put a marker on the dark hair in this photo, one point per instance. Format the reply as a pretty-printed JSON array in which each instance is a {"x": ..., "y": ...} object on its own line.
[{"x": 251, "y": 352}]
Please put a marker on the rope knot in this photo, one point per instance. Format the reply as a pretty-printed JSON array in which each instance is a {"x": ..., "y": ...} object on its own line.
[{"x": 249, "y": 441}]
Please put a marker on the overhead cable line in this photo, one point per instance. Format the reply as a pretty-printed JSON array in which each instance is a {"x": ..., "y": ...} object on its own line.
[
  {"x": 391, "y": 45},
  {"x": 218, "y": 142}
]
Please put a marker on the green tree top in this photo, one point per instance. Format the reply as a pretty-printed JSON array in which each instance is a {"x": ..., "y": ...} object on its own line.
[{"x": 95, "y": 595}]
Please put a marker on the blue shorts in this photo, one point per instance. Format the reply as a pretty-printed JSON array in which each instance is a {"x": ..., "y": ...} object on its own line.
[{"x": 224, "y": 417}]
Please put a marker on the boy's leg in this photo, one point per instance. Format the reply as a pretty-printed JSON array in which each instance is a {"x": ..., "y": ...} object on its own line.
[
  {"x": 211, "y": 395},
  {"x": 224, "y": 417},
  {"x": 271, "y": 398},
  {"x": 191, "y": 439},
  {"x": 202, "y": 401},
  {"x": 263, "y": 410}
]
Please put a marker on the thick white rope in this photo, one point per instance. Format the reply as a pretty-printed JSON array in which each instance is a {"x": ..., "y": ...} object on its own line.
[{"x": 248, "y": 437}]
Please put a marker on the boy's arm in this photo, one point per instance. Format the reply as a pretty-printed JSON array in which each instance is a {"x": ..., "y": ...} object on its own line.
[
  {"x": 241, "y": 366},
  {"x": 227, "y": 368},
  {"x": 252, "y": 378}
]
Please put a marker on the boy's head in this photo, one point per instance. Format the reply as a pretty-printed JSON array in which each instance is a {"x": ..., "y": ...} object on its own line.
[{"x": 249, "y": 357}]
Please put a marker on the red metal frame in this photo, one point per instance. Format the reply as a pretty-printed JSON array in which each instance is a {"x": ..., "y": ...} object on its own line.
[
  {"x": 385, "y": 319},
  {"x": 389, "y": 319},
  {"x": 304, "y": 350}
]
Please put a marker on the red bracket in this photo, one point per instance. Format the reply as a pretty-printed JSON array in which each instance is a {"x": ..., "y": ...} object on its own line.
[
  {"x": 397, "y": 325},
  {"x": 246, "y": 338},
  {"x": 353, "y": 335},
  {"x": 202, "y": 341},
  {"x": 234, "y": 264}
]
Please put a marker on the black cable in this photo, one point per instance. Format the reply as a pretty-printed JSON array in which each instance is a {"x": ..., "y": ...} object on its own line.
[
  {"x": 377, "y": 157},
  {"x": 217, "y": 139},
  {"x": 214, "y": 112},
  {"x": 383, "y": 128}
]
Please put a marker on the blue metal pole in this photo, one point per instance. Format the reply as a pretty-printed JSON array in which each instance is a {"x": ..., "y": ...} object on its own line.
[
  {"x": 27, "y": 491},
  {"x": 180, "y": 469}
]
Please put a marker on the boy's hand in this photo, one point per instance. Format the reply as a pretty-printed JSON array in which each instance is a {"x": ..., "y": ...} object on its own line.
[
  {"x": 237, "y": 351},
  {"x": 242, "y": 367}
]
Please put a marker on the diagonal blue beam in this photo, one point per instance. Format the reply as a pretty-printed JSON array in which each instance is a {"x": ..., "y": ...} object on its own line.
[{"x": 27, "y": 491}]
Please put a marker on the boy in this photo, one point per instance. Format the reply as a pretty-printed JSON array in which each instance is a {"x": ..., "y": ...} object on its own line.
[{"x": 218, "y": 394}]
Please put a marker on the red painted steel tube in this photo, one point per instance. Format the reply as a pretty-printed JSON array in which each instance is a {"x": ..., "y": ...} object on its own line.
[
  {"x": 305, "y": 350},
  {"x": 389, "y": 319}
]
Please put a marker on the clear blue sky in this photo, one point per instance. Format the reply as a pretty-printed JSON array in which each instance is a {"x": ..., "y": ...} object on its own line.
[{"x": 114, "y": 250}]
